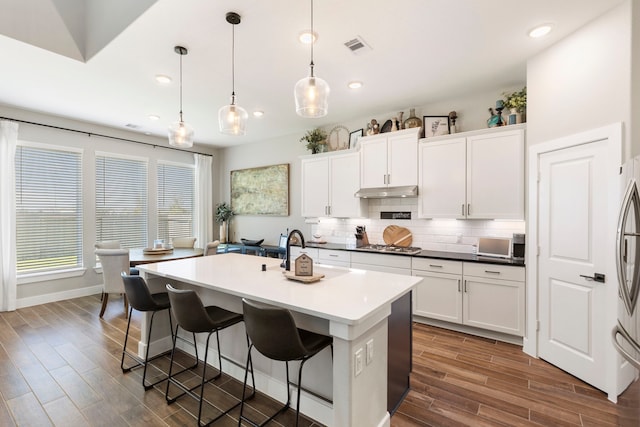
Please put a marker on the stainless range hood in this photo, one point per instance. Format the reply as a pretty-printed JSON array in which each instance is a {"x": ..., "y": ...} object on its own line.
[{"x": 386, "y": 192}]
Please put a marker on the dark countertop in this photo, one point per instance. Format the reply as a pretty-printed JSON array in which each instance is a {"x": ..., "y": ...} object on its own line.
[{"x": 452, "y": 256}]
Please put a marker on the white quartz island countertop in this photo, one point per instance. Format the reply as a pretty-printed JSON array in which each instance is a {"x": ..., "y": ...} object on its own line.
[
  {"x": 347, "y": 296},
  {"x": 351, "y": 305}
]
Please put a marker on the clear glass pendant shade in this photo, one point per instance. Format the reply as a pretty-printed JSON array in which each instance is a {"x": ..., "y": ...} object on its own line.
[
  {"x": 232, "y": 119},
  {"x": 312, "y": 97},
  {"x": 181, "y": 135}
]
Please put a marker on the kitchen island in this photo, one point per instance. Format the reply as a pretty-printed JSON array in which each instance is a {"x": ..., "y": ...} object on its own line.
[{"x": 350, "y": 305}]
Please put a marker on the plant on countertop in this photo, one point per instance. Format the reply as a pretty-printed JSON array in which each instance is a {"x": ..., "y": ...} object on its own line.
[
  {"x": 315, "y": 139},
  {"x": 223, "y": 212},
  {"x": 517, "y": 100}
]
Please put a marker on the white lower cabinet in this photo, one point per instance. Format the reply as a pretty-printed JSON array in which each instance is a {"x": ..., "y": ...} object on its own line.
[
  {"x": 397, "y": 264},
  {"x": 323, "y": 256},
  {"x": 485, "y": 296}
]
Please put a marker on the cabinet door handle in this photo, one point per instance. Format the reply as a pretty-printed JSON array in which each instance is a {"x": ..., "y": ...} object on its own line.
[
  {"x": 329, "y": 210},
  {"x": 465, "y": 286},
  {"x": 463, "y": 209},
  {"x": 492, "y": 272},
  {"x": 468, "y": 208},
  {"x": 458, "y": 285}
]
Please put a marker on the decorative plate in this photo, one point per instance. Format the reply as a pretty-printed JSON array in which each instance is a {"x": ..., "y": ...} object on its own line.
[
  {"x": 386, "y": 127},
  {"x": 338, "y": 138}
]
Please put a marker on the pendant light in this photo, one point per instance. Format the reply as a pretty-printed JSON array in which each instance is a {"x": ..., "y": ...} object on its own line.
[
  {"x": 180, "y": 133},
  {"x": 311, "y": 93},
  {"x": 232, "y": 118}
]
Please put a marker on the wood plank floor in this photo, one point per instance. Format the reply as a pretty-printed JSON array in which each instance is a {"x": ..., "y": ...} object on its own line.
[{"x": 60, "y": 365}]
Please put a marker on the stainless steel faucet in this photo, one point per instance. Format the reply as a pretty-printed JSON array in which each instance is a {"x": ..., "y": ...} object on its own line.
[{"x": 287, "y": 263}]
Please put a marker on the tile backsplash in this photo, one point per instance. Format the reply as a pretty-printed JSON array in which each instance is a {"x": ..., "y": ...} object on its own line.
[{"x": 431, "y": 234}]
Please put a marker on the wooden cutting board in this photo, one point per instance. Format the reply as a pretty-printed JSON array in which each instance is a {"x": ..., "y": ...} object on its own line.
[{"x": 397, "y": 236}]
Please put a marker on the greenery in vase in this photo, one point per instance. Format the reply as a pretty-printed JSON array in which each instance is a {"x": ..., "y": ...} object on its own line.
[
  {"x": 517, "y": 100},
  {"x": 315, "y": 139},
  {"x": 223, "y": 212}
]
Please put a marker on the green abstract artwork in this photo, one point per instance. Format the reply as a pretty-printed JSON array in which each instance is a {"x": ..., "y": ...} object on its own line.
[{"x": 261, "y": 191}]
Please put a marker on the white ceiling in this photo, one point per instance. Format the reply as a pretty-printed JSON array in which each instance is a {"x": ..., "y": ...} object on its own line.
[{"x": 95, "y": 60}]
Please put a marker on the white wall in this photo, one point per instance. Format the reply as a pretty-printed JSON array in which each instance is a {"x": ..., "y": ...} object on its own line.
[
  {"x": 47, "y": 289},
  {"x": 583, "y": 81}
]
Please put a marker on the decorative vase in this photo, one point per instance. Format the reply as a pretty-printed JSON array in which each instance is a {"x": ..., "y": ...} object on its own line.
[
  {"x": 223, "y": 232},
  {"x": 400, "y": 123},
  {"x": 514, "y": 117},
  {"x": 412, "y": 121}
]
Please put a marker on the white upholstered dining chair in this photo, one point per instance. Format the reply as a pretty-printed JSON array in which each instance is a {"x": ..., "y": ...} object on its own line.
[
  {"x": 211, "y": 248},
  {"x": 114, "y": 262},
  {"x": 184, "y": 242}
]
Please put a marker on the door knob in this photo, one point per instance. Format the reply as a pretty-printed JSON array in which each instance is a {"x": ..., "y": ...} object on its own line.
[{"x": 597, "y": 277}]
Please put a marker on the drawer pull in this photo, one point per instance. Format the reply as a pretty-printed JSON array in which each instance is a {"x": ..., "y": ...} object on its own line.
[
  {"x": 435, "y": 266},
  {"x": 333, "y": 255},
  {"x": 492, "y": 272}
]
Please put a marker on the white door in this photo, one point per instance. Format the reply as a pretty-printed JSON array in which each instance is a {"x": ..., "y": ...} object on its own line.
[
  {"x": 572, "y": 212},
  {"x": 315, "y": 187},
  {"x": 344, "y": 181},
  {"x": 402, "y": 160},
  {"x": 373, "y": 172}
]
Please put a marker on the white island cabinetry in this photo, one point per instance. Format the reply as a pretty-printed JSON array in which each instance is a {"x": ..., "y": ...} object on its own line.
[
  {"x": 389, "y": 159},
  {"x": 329, "y": 184},
  {"x": 350, "y": 306}
]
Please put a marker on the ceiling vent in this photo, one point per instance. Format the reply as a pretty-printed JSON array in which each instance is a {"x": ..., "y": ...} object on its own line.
[{"x": 357, "y": 45}]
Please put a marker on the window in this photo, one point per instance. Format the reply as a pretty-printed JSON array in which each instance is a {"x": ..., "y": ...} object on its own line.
[
  {"x": 48, "y": 209},
  {"x": 121, "y": 200},
  {"x": 175, "y": 200}
]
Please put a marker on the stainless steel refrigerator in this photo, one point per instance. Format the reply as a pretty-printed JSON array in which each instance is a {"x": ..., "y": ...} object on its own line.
[{"x": 626, "y": 334}]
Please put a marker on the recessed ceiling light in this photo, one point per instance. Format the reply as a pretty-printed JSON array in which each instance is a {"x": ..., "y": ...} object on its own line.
[
  {"x": 307, "y": 37},
  {"x": 154, "y": 117},
  {"x": 540, "y": 31},
  {"x": 163, "y": 79},
  {"x": 258, "y": 113},
  {"x": 356, "y": 84}
]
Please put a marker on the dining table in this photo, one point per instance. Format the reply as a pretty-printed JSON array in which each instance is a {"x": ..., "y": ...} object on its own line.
[{"x": 139, "y": 256}]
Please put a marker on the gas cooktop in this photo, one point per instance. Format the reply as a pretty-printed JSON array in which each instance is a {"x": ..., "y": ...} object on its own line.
[{"x": 410, "y": 250}]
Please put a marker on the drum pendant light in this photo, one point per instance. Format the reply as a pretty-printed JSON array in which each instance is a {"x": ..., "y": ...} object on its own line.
[
  {"x": 232, "y": 118},
  {"x": 311, "y": 93},
  {"x": 180, "y": 133}
]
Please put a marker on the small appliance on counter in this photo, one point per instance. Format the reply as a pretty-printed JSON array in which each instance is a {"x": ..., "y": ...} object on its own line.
[
  {"x": 517, "y": 251},
  {"x": 498, "y": 247}
]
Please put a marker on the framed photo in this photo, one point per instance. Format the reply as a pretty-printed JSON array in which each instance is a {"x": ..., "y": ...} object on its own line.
[
  {"x": 354, "y": 137},
  {"x": 435, "y": 125}
]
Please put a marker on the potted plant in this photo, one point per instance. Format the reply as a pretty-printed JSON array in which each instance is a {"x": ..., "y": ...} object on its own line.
[
  {"x": 316, "y": 140},
  {"x": 223, "y": 215},
  {"x": 516, "y": 102}
]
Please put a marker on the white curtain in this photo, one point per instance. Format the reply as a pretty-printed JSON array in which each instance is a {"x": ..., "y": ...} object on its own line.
[
  {"x": 203, "y": 215},
  {"x": 8, "y": 140}
]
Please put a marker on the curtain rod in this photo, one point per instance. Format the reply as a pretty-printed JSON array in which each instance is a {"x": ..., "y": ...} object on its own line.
[{"x": 103, "y": 136}]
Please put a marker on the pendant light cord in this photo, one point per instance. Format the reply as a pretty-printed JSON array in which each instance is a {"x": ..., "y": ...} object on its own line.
[
  {"x": 313, "y": 37},
  {"x": 181, "y": 54},
  {"x": 233, "y": 64}
]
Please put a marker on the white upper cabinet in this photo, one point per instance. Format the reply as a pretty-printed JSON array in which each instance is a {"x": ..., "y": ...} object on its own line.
[
  {"x": 329, "y": 182},
  {"x": 495, "y": 175},
  {"x": 389, "y": 159},
  {"x": 477, "y": 176}
]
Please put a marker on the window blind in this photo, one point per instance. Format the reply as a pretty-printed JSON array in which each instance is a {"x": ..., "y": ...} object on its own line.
[
  {"x": 121, "y": 200},
  {"x": 175, "y": 201},
  {"x": 48, "y": 209}
]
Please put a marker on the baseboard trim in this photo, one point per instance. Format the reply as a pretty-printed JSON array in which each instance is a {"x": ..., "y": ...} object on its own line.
[
  {"x": 512, "y": 339},
  {"x": 58, "y": 296}
]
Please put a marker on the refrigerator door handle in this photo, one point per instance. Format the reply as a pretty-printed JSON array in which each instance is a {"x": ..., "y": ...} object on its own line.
[
  {"x": 629, "y": 294},
  {"x": 619, "y": 330}
]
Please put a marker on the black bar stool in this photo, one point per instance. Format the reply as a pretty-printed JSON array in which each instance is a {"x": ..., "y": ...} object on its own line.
[
  {"x": 274, "y": 334},
  {"x": 141, "y": 299},
  {"x": 194, "y": 317}
]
